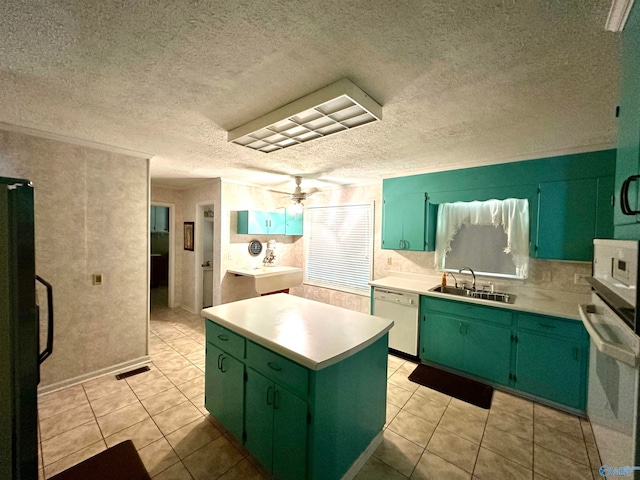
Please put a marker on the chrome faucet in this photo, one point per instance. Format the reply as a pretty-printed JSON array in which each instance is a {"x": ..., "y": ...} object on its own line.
[
  {"x": 455, "y": 280},
  {"x": 473, "y": 285}
]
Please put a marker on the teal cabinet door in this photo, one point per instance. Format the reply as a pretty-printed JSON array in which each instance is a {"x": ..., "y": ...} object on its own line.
[
  {"x": 276, "y": 427},
  {"x": 487, "y": 351},
  {"x": 628, "y": 151},
  {"x": 276, "y": 223},
  {"x": 551, "y": 368},
  {"x": 442, "y": 340},
  {"x": 289, "y": 436},
  {"x": 293, "y": 222},
  {"x": 259, "y": 418},
  {"x": 224, "y": 389},
  {"x": 254, "y": 222},
  {"x": 568, "y": 217},
  {"x": 403, "y": 222}
]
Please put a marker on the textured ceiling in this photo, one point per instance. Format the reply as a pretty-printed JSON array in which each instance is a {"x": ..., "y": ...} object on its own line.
[{"x": 461, "y": 82}]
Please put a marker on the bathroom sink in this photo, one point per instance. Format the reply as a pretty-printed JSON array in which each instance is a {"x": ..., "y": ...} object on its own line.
[
  {"x": 271, "y": 279},
  {"x": 501, "y": 297}
]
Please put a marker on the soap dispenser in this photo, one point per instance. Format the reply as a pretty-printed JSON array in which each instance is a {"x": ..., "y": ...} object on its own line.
[{"x": 444, "y": 279}]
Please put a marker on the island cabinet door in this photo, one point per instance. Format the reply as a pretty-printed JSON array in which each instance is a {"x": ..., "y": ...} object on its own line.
[
  {"x": 224, "y": 389},
  {"x": 276, "y": 427}
]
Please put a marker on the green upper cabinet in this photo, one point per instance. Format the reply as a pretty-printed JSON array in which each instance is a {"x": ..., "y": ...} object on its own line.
[
  {"x": 628, "y": 161},
  {"x": 293, "y": 222},
  {"x": 570, "y": 200},
  {"x": 408, "y": 222},
  {"x": 256, "y": 222},
  {"x": 571, "y": 213}
]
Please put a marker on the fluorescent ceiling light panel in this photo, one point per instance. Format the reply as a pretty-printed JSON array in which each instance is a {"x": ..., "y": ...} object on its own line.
[
  {"x": 618, "y": 15},
  {"x": 335, "y": 108}
]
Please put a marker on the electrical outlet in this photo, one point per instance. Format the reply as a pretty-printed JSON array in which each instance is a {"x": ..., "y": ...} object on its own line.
[
  {"x": 389, "y": 261},
  {"x": 97, "y": 279},
  {"x": 546, "y": 275},
  {"x": 580, "y": 279}
]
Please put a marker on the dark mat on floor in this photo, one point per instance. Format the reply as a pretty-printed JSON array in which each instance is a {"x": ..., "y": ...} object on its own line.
[
  {"x": 120, "y": 462},
  {"x": 453, "y": 385}
]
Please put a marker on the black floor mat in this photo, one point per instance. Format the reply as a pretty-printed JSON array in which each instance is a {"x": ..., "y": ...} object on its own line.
[
  {"x": 120, "y": 462},
  {"x": 453, "y": 385}
]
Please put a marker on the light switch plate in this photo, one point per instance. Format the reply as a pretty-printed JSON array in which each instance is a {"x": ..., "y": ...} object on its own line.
[{"x": 97, "y": 279}]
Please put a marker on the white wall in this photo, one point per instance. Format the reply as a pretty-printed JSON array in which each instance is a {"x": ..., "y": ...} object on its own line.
[{"x": 91, "y": 216}]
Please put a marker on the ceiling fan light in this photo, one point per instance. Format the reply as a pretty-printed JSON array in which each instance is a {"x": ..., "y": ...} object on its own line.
[
  {"x": 335, "y": 108},
  {"x": 298, "y": 206}
]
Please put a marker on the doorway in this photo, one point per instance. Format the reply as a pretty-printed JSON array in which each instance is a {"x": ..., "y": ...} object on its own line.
[
  {"x": 161, "y": 249},
  {"x": 205, "y": 255}
]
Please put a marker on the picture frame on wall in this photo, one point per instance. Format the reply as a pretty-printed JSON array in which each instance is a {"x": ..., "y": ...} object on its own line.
[{"x": 188, "y": 235}]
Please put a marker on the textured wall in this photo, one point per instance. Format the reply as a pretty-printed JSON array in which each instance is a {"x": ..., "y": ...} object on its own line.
[{"x": 91, "y": 217}]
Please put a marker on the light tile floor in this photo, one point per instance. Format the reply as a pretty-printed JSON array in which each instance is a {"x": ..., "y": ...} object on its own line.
[{"x": 428, "y": 435}]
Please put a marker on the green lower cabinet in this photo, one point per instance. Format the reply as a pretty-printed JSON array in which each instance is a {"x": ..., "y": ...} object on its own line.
[
  {"x": 276, "y": 427},
  {"x": 224, "y": 389},
  {"x": 487, "y": 351},
  {"x": 543, "y": 356},
  {"x": 476, "y": 348},
  {"x": 550, "y": 368},
  {"x": 442, "y": 340}
]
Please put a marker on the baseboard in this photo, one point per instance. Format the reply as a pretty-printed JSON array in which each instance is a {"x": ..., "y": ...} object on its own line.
[
  {"x": 364, "y": 456},
  {"x": 112, "y": 370}
]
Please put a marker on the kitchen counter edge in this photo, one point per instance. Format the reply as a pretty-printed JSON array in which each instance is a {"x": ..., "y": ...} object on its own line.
[{"x": 528, "y": 300}]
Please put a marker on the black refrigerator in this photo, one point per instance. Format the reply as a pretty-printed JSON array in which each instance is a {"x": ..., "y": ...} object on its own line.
[{"x": 20, "y": 355}]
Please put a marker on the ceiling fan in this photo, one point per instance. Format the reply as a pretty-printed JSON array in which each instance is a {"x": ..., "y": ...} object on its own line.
[{"x": 298, "y": 196}]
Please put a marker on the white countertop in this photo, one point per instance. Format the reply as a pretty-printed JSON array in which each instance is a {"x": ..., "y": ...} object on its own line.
[
  {"x": 528, "y": 299},
  {"x": 313, "y": 334},
  {"x": 262, "y": 271}
]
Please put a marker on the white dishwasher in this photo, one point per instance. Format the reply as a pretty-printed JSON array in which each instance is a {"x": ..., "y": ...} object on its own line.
[{"x": 403, "y": 309}]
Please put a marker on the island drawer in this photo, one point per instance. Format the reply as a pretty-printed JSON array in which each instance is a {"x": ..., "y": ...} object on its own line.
[
  {"x": 230, "y": 342},
  {"x": 551, "y": 325},
  {"x": 279, "y": 369}
]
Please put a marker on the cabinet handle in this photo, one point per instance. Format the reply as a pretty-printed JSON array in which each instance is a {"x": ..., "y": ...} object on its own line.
[
  {"x": 269, "y": 390},
  {"x": 400, "y": 244},
  {"x": 275, "y": 400},
  {"x": 222, "y": 365},
  {"x": 224, "y": 338},
  {"x": 624, "y": 196},
  {"x": 274, "y": 367},
  {"x": 220, "y": 362},
  {"x": 546, "y": 326}
]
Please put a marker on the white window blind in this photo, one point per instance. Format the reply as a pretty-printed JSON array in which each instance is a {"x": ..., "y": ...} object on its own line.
[{"x": 339, "y": 246}]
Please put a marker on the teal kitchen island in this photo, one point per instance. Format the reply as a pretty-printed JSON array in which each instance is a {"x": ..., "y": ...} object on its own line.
[{"x": 301, "y": 384}]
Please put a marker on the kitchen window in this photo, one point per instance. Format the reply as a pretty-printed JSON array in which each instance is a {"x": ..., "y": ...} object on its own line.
[
  {"x": 491, "y": 237},
  {"x": 339, "y": 247}
]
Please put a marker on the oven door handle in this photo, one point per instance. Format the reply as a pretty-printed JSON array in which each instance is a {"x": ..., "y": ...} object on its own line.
[{"x": 611, "y": 349}]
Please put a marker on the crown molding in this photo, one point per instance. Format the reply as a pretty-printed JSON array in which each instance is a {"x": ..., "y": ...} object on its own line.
[{"x": 73, "y": 140}]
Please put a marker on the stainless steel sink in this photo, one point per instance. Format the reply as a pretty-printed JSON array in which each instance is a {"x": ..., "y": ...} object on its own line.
[{"x": 481, "y": 294}]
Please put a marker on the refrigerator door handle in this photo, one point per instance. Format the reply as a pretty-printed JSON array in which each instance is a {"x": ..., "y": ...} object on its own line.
[{"x": 49, "y": 348}]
